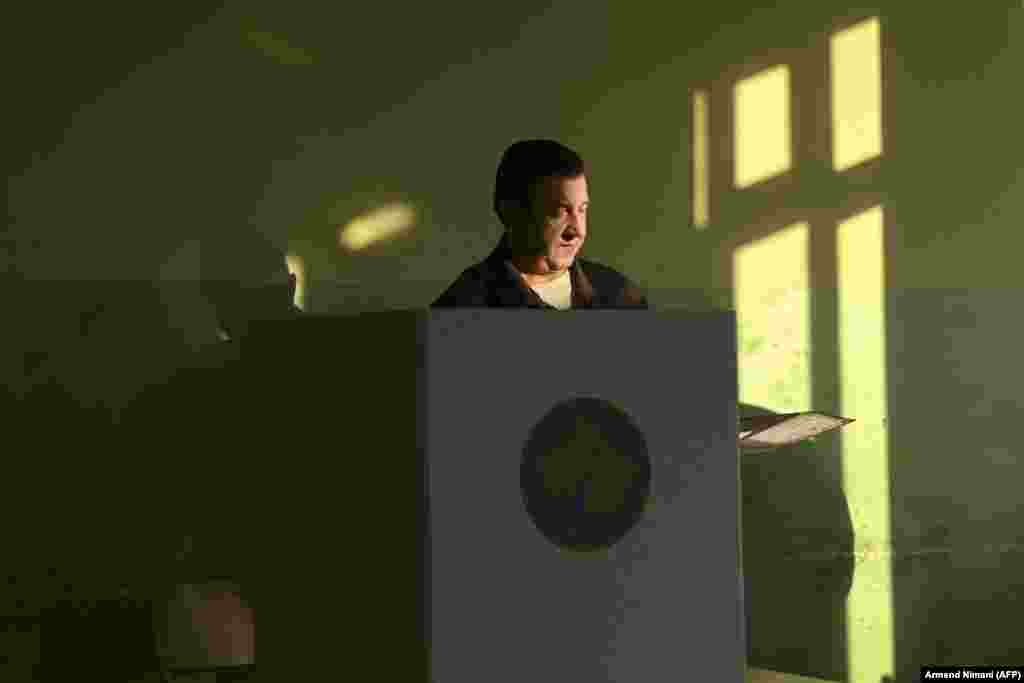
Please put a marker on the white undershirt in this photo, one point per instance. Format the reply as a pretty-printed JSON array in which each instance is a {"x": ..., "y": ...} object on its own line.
[{"x": 557, "y": 293}]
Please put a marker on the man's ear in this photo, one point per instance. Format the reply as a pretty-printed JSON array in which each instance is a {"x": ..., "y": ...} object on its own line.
[
  {"x": 506, "y": 212},
  {"x": 515, "y": 214}
]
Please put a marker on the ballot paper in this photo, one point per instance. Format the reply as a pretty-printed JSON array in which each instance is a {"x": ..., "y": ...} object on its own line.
[{"x": 762, "y": 433}]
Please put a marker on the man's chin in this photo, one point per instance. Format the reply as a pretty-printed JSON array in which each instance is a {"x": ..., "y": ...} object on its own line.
[{"x": 560, "y": 263}]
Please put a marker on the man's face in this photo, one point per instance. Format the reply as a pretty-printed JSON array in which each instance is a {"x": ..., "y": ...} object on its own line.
[{"x": 552, "y": 230}]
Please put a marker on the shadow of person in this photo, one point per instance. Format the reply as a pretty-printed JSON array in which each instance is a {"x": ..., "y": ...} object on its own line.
[{"x": 797, "y": 557}]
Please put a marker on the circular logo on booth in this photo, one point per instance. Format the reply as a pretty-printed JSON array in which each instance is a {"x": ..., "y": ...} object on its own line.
[{"x": 585, "y": 474}]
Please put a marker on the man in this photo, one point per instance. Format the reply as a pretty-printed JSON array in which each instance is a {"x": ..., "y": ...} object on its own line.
[{"x": 540, "y": 196}]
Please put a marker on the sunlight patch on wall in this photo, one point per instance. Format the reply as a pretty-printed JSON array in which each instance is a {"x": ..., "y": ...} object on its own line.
[
  {"x": 700, "y": 160},
  {"x": 297, "y": 267},
  {"x": 770, "y": 282},
  {"x": 763, "y": 129},
  {"x": 863, "y": 377},
  {"x": 856, "y": 94},
  {"x": 376, "y": 226}
]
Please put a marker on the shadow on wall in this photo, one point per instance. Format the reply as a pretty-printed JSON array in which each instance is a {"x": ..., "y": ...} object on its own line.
[{"x": 797, "y": 559}]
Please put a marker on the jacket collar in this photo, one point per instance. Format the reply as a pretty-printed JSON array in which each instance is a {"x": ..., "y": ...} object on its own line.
[{"x": 513, "y": 290}]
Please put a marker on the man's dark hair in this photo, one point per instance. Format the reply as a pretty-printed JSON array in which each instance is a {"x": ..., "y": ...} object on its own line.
[{"x": 526, "y": 162}]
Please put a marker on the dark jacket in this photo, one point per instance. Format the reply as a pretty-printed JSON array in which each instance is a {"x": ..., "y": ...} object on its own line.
[{"x": 494, "y": 282}]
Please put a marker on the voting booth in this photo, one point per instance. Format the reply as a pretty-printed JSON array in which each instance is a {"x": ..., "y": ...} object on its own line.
[{"x": 467, "y": 495}]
